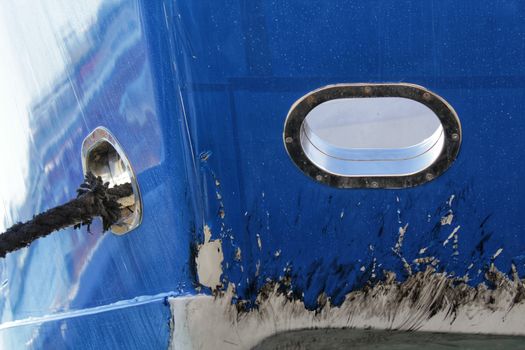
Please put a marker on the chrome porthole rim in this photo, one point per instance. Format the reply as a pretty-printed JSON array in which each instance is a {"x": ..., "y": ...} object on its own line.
[{"x": 442, "y": 109}]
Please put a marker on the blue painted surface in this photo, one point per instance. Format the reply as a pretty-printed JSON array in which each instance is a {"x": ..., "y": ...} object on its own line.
[
  {"x": 144, "y": 326},
  {"x": 197, "y": 94},
  {"x": 111, "y": 79}
]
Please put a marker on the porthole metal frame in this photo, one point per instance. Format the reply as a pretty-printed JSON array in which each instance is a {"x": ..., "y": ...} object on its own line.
[{"x": 441, "y": 108}]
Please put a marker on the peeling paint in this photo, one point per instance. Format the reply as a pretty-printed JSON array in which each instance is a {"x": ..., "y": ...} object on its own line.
[
  {"x": 497, "y": 253},
  {"x": 209, "y": 261},
  {"x": 426, "y": 301},
  {"x": 238, "y": 254},
  {"x": 452, "y": 234},
  {"x": 447, "y": 219},
  {"x": 401, "y": 237},
  {"x": 426, "y": 260},
  {"x": 397, "y": 249},
  {"x": 351, "y": 292},
  {"x": 451, "y": 199}
]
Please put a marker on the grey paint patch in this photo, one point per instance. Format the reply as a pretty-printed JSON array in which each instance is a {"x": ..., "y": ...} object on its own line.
[
  {"x": 426, "y": 301},
  {"x": 385, "y": 340}
]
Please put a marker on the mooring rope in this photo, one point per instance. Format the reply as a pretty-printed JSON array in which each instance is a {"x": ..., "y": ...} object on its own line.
[{"x": 94, "y": 198}]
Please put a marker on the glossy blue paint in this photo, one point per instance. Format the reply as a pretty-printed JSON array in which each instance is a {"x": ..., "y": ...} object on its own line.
[
  {"x": 142, "y": 326},
  {"x": 240, "y": 79},
  {"x": 197, "y": 93},
  {"x": 109, "y": 80}
]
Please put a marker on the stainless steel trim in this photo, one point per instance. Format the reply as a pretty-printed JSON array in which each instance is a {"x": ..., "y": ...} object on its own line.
[{"x": 103, "y": 155}]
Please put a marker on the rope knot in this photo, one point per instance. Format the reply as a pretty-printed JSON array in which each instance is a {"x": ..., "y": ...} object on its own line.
[{"x": 104, "y": 204}]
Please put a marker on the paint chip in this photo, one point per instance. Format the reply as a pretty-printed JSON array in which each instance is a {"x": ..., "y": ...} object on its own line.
[
  {"x": 402, "y": 231},
  {"x": 238, "y": 254},
  {"x": 451, "y": 235},
  {"x": 497, "y": 253},
  {"x": 451, "y": 199},
  {"x": 209, "y": 261},
  {"x": 447, "y": 219}
]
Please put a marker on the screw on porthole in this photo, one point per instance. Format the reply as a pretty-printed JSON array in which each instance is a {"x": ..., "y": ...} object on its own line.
[
  {"x": 94, "y": 199},
  {"x": 374, "y": 184},
  {"x": 288, "y": 139},
  {"x": 455, "y": 137}
]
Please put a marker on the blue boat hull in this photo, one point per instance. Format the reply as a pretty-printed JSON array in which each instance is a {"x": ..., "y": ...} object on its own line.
[{"x": 197, "y": 94}]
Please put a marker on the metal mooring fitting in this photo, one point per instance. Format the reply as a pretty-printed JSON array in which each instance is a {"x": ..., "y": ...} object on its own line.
[
  {"x": 103, "y": 156},
  {"x": 109, "y": 191}
]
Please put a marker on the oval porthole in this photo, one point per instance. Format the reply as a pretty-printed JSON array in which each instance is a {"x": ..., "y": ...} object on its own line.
[{"x": 372, "y": 135}]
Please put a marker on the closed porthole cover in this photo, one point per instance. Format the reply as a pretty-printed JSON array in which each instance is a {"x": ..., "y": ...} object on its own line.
[{"x": 372, "y": 135}]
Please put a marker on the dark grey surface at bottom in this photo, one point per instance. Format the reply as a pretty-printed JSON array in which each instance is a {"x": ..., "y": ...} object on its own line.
[{"x": 391, "y": 340}]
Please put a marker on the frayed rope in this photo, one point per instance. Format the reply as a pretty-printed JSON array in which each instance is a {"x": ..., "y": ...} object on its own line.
[{"x": 94, "y": 198}]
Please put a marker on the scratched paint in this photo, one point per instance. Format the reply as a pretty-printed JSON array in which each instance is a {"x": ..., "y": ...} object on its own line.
[
  {"x": 197, "y": 93},
  {"x": 427, "y": 301}
]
